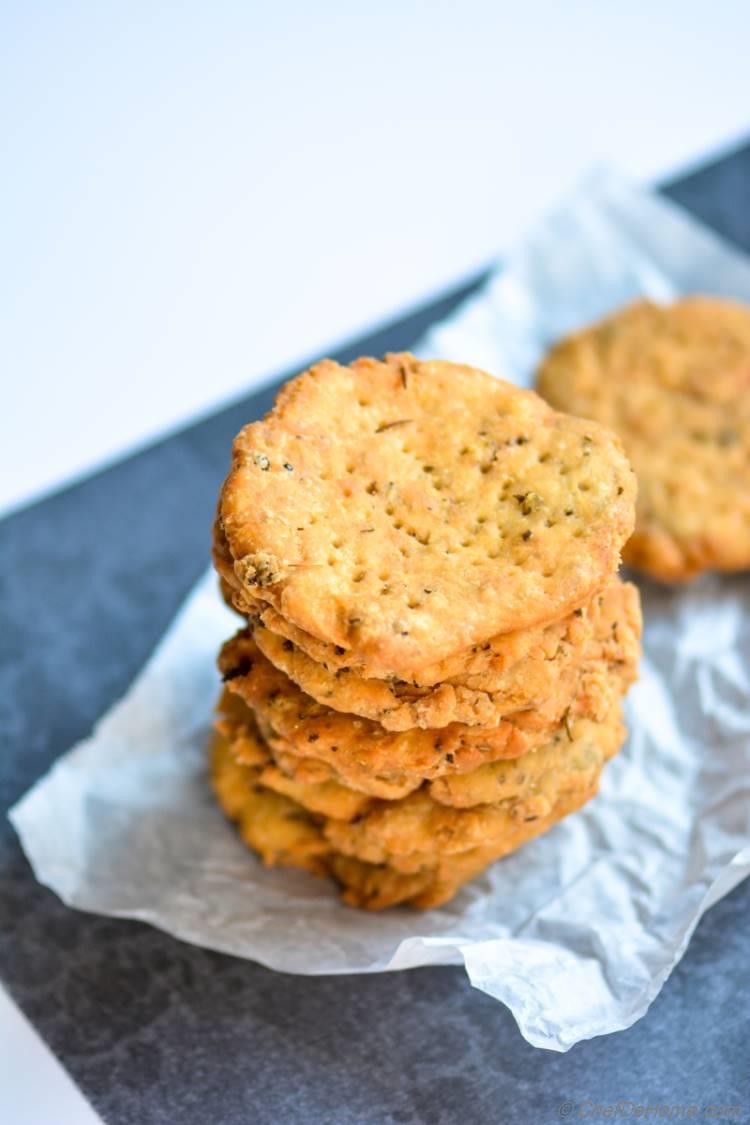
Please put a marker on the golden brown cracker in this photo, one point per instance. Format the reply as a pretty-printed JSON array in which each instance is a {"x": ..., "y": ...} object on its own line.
[
  {"x": 481, "y": 667},
  {"x": 674, "y": 382},
  {"x": 452, "y": 872},
  {"x": 376, "y": 887},
  {"x": 327, "y": 798},
  {"x": 283, "y": 832},
  {"x": 544, "y": 683},
  {"x": 410, "y": 510},
  {"x": 406, "y": 833},
  {"x": 274, "y": 826},
  {"x": 361, "y": 753},
  {"x": 571, "y": 760}
]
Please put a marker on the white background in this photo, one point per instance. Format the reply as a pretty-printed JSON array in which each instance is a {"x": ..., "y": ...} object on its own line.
[{"x": 196, "y": 197}]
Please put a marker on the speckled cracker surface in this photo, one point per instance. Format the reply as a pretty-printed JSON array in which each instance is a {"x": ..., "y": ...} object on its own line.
[
  {"x": 313, "y": 825},
  {"x": 480, "y": 667},
  {"x": 544, "y": 681},
  {"x": 367, "y": 755},
  {"x": 409, "y": 510},
  {"x": 674, "y": 382},
  {"x": 313, "y": 743},
  {"x": 571, "y": 760}
]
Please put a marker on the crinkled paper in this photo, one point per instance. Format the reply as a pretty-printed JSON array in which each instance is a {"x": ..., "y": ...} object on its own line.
[{"x": 578, "y": 931}]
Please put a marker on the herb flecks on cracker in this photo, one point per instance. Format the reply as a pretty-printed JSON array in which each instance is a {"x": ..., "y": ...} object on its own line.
[
  {"x": 674, "y": 382},
  {"x": 428, "y": 462}
]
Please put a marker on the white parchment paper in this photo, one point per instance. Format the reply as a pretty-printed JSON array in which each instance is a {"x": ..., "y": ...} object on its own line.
[{"x": 578, "y": 931}]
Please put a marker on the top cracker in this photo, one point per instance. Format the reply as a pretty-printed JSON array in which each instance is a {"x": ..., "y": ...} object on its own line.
[{"x": 408, "y": 510}]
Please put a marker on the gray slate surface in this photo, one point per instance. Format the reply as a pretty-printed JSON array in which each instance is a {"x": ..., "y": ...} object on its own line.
[{"x": 155, "y": 1031}]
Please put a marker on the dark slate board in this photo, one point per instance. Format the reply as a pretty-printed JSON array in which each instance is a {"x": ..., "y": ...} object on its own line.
[{"x": 155, "y": 1031}]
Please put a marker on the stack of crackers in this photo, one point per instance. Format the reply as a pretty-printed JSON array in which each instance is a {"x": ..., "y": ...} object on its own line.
[{"x": 436, "y": 643}]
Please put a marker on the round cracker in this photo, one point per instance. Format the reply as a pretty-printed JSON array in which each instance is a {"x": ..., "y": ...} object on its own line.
[
  {"x": 571, "y": 760},
  {"x": 674, "y": 382},
  {"x": 407, "y": 833},
  {"x": 543, "y": 682},
  {"x": 480, "y": 668},
  {"x": 366, "y": 757},
  {"x": 271, "y": 824},
  {"x": 423, "y": 823},
  {"x": 284, "y": 832},
  {"x": 409, "y": 510}
]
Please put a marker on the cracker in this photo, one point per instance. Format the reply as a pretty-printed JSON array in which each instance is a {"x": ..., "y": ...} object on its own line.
[
  {"x": 410, "y": 833},
  {"x": 545, "y": 681},
  {"x": 361, "y": 753},
  {"x": 274, "y": 826},
  {"x": 357, "y": 769},
  {"x": 377, "y": 887},
  {"x": 571, "y": 760},
  {"x": 674, "y": 382},
  {"x": 404, "y": 832},
  {"x": 282, "y": 832},
  {"x": 328, "y": 798},
  {"x": 452, "y": 872},
  {"x": 480, "y": 668},
  {"x": 410, "y": 510}
]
